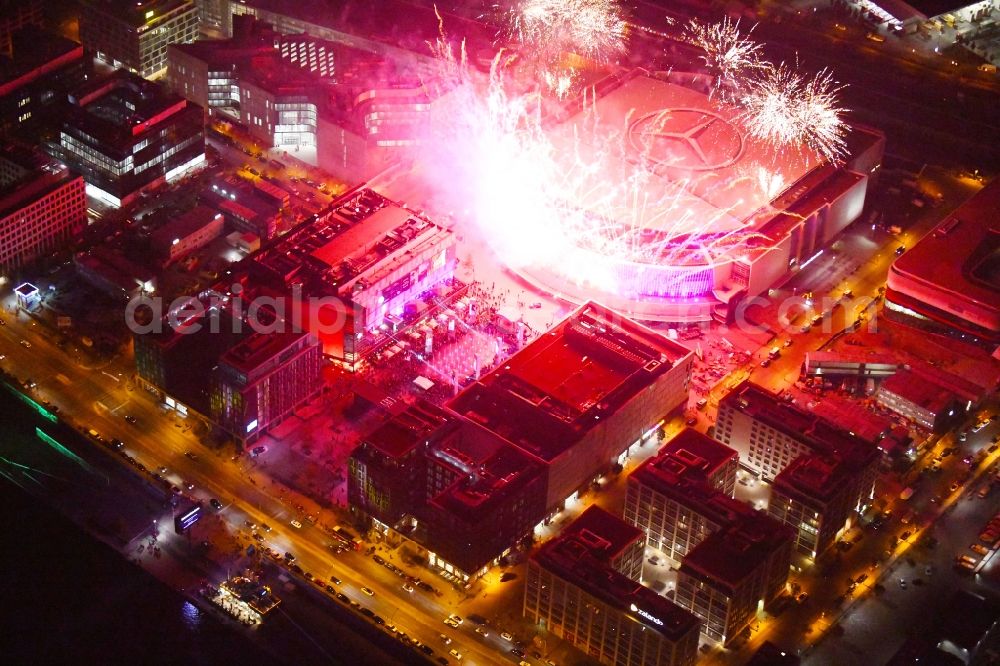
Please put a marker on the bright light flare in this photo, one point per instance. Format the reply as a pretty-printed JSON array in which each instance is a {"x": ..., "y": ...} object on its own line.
[
  {"x": 729, "y": 55},
  {"x": 594, "y": 29}
]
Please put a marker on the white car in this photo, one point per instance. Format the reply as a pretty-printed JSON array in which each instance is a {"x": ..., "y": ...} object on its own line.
[
  {"x": 368, "y": 591},
  {"x": 456, "y": 654},
  {"x": 408, "y": 587},
  {"x": 296, "y": 524},
  {"x": 451, "y": 622},
  {"x": 482, "y": 631},
  {"x": 445, "y": 640},
  {"x": 507, "y": 636}
]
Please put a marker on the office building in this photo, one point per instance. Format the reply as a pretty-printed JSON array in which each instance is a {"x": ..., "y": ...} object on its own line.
[
  {"x": 43, "y": 207},
  {"x": 769, "y": 433},
  {"x": 616, "y": 542},
  {"x": 360, "y": 260},
  {"x": 124, "y": 134},
  {"x": 733, "y": 573},
  {"x": 684, "y": 493},
  {"x": 573, "y": 592},
  {"x": 134, "y": 35},
  {"x": 578, "y": 397},
  {"x": 921, "y": 400},
  {"x": 262, "y": 380},
  {"x": 946, "y": 282},
  {"x": 818, "y": 496},
  {"x": 36, "y": 79},
  {"x": 187, "y": 233},
  {"x": 359, "y": 110},
  {"x": 245, "y": 207}
]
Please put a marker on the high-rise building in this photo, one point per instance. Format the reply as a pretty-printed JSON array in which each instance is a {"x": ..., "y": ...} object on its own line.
[
  {"x": 262, "y": 380},
  {"x": 575, "y": 591},
  {"x": 684, "y": 493},
  {"x": 125, "y": 133},
  {"x": 135, "y": 35},
  {"x": 43, "y": 206},
  {"x": 726, "y": 578},
  {"x": 36, "y": 79}
]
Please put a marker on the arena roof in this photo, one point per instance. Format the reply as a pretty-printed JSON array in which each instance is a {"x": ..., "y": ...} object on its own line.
[
  {"x": 549, "y": 394},
  {"x": 702, "y": 162}
]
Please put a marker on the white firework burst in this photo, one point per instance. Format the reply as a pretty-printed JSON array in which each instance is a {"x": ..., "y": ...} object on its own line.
[
  {"x": 729, "y": 55},
  {"x": 785, "y": 108},
  {"x": 594, "y": 29}
]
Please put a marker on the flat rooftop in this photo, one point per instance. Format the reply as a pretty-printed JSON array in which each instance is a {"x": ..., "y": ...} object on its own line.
[
  {"x": 707, "y": 186},
  {"x": 407, "y": 429},
  {"x": 956, "y": 268},
  {"x": 559, "y": 387},
  {"x": 730, "y": 555},
  {"x": 814, "y": 477},
  {"x": 36, "y": 52},
  {"x": 571, "y": 559},
  {"x": 916, "y": 389},
  {"x": 32, "y": 177},
  {"x": 607, "y": 534},
  {"x": 142, "y": 14},
  {"x": 852, "y": 417},
  {"x": 259, "y": 348},
  {"x": 767, "y": 408},
  {"x": 185, "y": 225}
]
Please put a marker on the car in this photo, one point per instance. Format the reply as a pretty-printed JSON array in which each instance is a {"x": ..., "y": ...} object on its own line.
[
  {"x": 335, "y": 580},
  {"x": 408, "y": 587},
  {"x": 130, "y": 419},
  {"x": 445, "y": 639},
  {"x": 368, "y": 591},
  {"x": 953, "y": 487},
  {"x": 249, "y": 524},
  {"x": 816, "y": 319},
  {"x": 451, "y": 622},
  {"x": 936, "y": 499},
  {"x": 901, "y": 249},
  {"x": 191, "y": 456},
  {"x": 289, "y": 557},
  {"x": 701, "y": 404},
  {"x": 189, "y": 486},
  {"x": 518, "y": 652},
  {"x": 456, "y": 618},
  {"x": 455, "y": 653},
  {"x": 862, "y": 578},
  {"x": 963, "y": 436},
  {"x": 25, "y": 344},
  {"x": 928, "y": 570},
  {"x": 482, "y": 631},
  {"x": 979, "y": 549},
  {"x": 117, "y": 444},
  {"x": 307, "y": 576},
  {"x": 902, "y": 583},
  {"x": 216, "y": 504},
  {"x": 161, "y": 470},
  {"x": 265, "y": 527},
  {"x": 343, "y": 597},
  {"x": 442, "y": 661},
  {"x": 258, "y": 450},
  {"x": 787, "y": 343},
  {"x": 507, "y": 636},
  {"x": 766, "y": 362},
  {"x": 296, "y": 524},
  {"x": 804, "y": 597}
]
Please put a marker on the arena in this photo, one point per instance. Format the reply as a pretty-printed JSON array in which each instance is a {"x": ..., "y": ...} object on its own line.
[{"x": 673, "y": 212}]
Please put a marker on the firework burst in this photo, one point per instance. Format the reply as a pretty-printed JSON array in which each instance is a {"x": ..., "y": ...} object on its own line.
[
  {"x": 729, "y": 55},
  {"x": 787, "y": 109},
  {"x": 594, "y": 29}
]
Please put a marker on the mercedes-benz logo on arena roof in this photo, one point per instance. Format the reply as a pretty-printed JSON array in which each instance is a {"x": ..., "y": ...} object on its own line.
[{"x": 692, "y": 139}]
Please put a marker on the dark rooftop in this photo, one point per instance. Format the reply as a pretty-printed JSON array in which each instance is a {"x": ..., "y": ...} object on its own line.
[
  {"x": 552, "y": 392},
  {"x": 35, "y": 53},
  {"x": 141, "y": 14},
  {"x": 412, "y": 427},
  {"x": 932, "y": 8},
  {"x": 607, "y": 534},
  {"x": 813, "y": 478},
  {"x": 731, "y": 554},
  {"x": 571, "y": 559},
  {"x": 916, "y": 389},
  {"x": 183, "y": 226},
  {"x": 258, "y": 348}
]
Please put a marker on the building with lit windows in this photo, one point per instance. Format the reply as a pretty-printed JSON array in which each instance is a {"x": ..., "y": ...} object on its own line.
[
  {"x": 769, "y": 433},
  {"x": 684, "y": 493},
  {"x": 124, "y": 134},
  {"x": 521, "y": 440},
  {"x": 733, "y": 573},
  {"x": 134, "y": 35},
  {"x": 43, "y": 206},
  {"x": 359, "y": 110},
  {"x": 245, "y": 207},
  {"x": 619, "y": 544},
  {"x": 818, "y": 496},
  {"x": 36, "y": 79},
  {"x": 357, "y": 262},
  {"x": 919, "y": 398},
  {"x": 573, "y": 591},
  {"x": 262, "y": 380},
  {"x": 187, "y": 233}
]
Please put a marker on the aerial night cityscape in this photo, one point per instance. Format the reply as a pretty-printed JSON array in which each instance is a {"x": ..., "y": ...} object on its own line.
[{"x": 475, "y": 332}]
